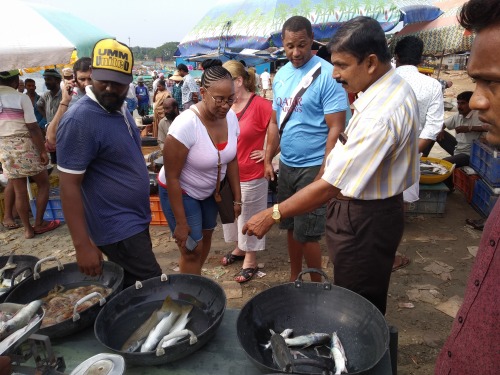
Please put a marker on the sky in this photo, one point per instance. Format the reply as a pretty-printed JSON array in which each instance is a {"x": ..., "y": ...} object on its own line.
[{"x": 148, "y": 23}]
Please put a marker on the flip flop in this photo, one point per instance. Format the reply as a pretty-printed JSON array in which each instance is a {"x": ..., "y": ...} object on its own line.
[
  {"x": 404, "y": 262},
  {"x": 230, "y": 258},
  {"x": 47, "y": 228},
  {"x": 11, "y": 226},
  {"x": 247, "y": 274},
  {"x": 476, "y": 224}
]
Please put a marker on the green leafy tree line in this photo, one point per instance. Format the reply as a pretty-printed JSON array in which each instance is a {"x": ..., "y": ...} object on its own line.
[{"x": 166, "y": 51}]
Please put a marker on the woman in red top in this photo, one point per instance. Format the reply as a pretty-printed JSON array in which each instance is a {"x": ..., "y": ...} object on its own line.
[{"x": 254, "y": 114}]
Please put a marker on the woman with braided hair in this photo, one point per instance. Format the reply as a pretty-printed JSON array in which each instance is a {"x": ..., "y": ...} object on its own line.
[{"x": 187, "y": 182}]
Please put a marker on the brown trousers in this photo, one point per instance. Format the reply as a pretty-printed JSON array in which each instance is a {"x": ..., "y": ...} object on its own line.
[{"x": 362, "y": 238}]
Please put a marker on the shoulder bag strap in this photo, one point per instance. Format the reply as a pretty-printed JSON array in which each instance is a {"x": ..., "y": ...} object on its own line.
[
  {"x": 242, "y": 112},
  {"x": 219, "y": 164},
  {"x": 305, "y": 82}
]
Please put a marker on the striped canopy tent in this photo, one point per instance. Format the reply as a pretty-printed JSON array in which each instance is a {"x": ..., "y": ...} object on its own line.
[
  {"x": 256, "y": 24},
  {"x": 444, "y": 35},
  {"x": 50, "y": 37}
]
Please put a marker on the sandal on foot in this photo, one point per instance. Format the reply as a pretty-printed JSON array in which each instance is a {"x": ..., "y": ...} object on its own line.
[
  {"x": 51, "y": 225},
  {"x": 476, "y": 224},
  {"x": 403, "y": 262},
  {"x": 245, "y": 274},
  {"x": 10, "y": 226},
  {"x": 230, "y": 258}
]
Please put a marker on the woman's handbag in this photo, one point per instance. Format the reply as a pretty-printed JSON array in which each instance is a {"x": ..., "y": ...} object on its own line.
[{"x": 224, "y": 200}]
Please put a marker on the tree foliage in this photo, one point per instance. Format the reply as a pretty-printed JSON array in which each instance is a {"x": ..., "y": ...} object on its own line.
[{"x": 166, "y": 51}]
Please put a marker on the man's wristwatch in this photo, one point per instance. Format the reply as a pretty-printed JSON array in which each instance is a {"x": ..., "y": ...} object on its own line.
[{"x": 276, "y": 214}]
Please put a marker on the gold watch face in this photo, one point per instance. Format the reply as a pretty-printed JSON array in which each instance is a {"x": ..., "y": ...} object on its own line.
[{"x": 276, "y": 214}]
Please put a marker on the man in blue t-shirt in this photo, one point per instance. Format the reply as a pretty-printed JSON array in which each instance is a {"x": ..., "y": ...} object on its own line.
[
  {"x": 142, "y": 93},
  {"x": 103, "y": 176},
  {"x": 311, "y": 132}
]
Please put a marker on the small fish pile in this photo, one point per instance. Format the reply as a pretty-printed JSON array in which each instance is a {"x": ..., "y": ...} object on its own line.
[
  {"x": 10, "y": 323},
  {"x": 60, "y": 302},
  {"x": 162, "y": 329},
  {"x": 316, "y": 340},
  {"x": 7, "y": 282},
  {"x": 429, "y": 168}
]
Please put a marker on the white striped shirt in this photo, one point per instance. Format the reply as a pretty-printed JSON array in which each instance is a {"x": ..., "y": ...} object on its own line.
[{"x": 380, "y": 157}]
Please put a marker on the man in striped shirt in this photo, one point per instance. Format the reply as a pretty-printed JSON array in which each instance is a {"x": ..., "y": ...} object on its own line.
[{"x": 367, "y": 170}]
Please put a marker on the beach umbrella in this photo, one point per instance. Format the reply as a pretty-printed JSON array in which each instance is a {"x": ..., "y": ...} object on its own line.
[
  {"x": 256, "y": 24},
  {"x": 49, "y": 38},
  {"x": 442, "y": 36}
]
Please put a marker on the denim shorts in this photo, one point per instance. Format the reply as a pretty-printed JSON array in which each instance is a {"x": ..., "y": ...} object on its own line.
[
  {"x": 309, "y": 227},
  {"x": 200, "y": 214}
]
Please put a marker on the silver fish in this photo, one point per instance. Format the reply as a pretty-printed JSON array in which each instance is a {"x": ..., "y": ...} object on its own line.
[
  {"x": 143, "y": 331},
  {"x": 163, "y": 328},
  {"x": 21, "y": 319},
  {"x": 179, "y": 325},
  {"x": 9, "y": 265},
  {"x": 308, "y": 340},
  {"x": 132, "y": 347},
  {"x": 177, "y": 335},
  {"x": 338, "y": 355},
  {"x": 285, "y": 334}
]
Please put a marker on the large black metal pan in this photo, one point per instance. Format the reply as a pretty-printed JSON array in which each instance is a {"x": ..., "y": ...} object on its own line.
[
  {"x": 129, "y": 309},
  {"x": 314, "y": 307},
  {"x": 68, "y": 275},
  {"x": 24, "y": 263}
]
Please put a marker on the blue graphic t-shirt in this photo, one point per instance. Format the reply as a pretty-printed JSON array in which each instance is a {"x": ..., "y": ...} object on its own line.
[
  {"x": 304, "y": 139},
  {"x": 143, "y": 93}
]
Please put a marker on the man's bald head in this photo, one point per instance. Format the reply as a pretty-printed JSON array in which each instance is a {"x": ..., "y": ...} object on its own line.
[{"x": 171, "y": 108}]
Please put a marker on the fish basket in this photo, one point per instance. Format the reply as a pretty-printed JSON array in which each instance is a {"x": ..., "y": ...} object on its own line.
[{"x": 436, "y": 179}]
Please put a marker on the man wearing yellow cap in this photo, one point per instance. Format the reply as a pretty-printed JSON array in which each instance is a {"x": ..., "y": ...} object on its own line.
[{"x": 104, "y": 179}]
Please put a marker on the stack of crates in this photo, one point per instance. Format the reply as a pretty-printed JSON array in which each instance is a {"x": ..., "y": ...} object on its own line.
[
  {"x": 465, "y": 182},
  {"x": 432, "y": 200},
  {"x": 53, "y": 211},
  {"x": 157, "y": 216},
  {"x": 486, "y": 161}
]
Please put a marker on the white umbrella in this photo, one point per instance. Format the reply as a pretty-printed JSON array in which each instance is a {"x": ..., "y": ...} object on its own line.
[{"x": 50, "y": 37}]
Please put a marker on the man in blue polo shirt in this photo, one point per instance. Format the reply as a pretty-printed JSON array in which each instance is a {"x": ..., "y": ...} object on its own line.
[
  {"x": 317, "y": 119},
  {"x": 103, "y": 176}
]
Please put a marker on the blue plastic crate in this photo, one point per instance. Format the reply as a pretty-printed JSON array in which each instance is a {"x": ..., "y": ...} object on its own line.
[
  {"x": 53, "y": 211},
  {"x": 483, "y": 198},
  {"x": 486, "y": 161},
  {"x": 432, "y": 200}
]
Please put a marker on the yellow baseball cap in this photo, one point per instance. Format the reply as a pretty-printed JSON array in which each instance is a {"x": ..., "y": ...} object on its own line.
[{"x": 112, "y": 61}]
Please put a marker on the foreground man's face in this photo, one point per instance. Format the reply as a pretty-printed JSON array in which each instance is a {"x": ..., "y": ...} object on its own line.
[{"x": 484, "y": 67}]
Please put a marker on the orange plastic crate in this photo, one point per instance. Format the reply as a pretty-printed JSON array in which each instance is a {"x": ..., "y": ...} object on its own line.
[
  {"x": 465, "y": 183},
  {"x": 157, "y": 216}
]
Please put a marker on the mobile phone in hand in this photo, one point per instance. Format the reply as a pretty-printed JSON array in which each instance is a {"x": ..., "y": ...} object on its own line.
[{"x": 190, "y": 244}]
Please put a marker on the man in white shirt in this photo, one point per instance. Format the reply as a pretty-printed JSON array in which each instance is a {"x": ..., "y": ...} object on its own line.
[
  {"x": 265, "y": 82},
  {"x": 467, "y": 127},
  {"x": 408, "y": 53}
]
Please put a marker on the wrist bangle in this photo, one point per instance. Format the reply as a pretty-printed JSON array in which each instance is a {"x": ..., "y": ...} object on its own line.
[
  {"x": 238, "y": 203},
  {"x": 63, "y": 104}
]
